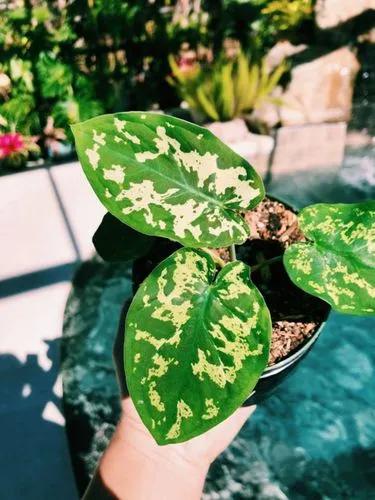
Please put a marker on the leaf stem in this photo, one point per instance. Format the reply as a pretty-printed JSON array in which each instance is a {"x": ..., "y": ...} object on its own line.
[
  {"x": 215, "y": 257},
  {"x": 232, "y": 253},
  {"x": 268, "y": 262}
]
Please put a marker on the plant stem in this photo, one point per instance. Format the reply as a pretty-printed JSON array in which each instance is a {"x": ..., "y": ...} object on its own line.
[
  {"x": 268, "y": 262},
  {"x": 232, "y": 252},
  {"x": 218, "y": 260}
]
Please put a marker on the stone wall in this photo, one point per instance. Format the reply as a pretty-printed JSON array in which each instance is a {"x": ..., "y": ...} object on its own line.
[
  {"x": 330, "y": 13},
  {"x": 321, "y": 90}
]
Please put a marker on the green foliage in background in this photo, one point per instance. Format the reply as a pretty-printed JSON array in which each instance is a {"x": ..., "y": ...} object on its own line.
[
  {"x": 18, "y": 109},
  {"x": 284, "y": 20},
  {"x": 45, "y": 83},
  {"x": 68, "y": 61},
  {"x": 73, "y": 62},
  {"x": 258, "y": 24},
  {"x": 226, "y": 88},
  {"x": 286, "y": 15}
]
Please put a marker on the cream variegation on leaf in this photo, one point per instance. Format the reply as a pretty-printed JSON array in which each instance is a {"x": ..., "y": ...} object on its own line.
[
  {"x": 167, "y": 177},
  {"x": 196, "y": 343},
  {"x": 337, "y": 264}
]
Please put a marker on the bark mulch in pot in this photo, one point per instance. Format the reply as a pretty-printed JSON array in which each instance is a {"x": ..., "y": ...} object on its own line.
[{"x": 295, "y": 314}]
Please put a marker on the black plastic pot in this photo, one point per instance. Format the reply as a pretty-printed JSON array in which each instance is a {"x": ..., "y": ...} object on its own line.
[{"x": 274, "y": 375}]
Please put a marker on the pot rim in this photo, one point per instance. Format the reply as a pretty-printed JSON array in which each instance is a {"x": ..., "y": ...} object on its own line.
[{"x": 292, "y": 357}]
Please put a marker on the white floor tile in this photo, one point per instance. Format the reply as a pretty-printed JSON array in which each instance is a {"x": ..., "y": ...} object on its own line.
[
  {"x": 34, "y": 457},
  {"x": 83, "y": 208},
  {"x": 33, "y": 234}
]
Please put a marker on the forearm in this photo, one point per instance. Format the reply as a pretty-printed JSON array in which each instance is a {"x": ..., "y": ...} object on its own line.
[{"x": 127, "y": 472}]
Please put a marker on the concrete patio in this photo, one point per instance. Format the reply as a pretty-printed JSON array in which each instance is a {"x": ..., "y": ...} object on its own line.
[{"x": 47, "y": 219}]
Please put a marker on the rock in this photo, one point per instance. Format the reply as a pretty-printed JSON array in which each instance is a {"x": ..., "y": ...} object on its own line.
[
  {"x": 368, "y": 37},
  {"x": 268, "y": 113},
  {"x": 255, "y": 148},
  {"x": 321, "y": 90},
  {"x": 232, "y": 131},
  {"x": 281, "y": 51},
  {"x": 271, "y": 492},
  {"x": 355, "y": 139},
  {"x": 309, "y": 147},
  {"x": 330, "y": 13}
]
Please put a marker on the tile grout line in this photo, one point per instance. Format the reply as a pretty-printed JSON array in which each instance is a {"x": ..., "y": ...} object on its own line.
[{"x": 64, "y": 214}]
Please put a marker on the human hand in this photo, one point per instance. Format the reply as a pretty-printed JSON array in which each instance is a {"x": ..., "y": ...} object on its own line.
[
  {"x": 135, "y": 467},
  {"x": 202, "y": 449}
]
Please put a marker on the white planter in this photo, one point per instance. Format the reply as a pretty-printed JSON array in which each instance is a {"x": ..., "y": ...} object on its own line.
[
  {"x": 255, "y": 148},
  {"x": 309, "y": 147}
]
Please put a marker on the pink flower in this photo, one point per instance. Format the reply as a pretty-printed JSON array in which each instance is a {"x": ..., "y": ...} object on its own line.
[
  {"x": 10, "y": 143},
  {"x": 187, "y": 61}
]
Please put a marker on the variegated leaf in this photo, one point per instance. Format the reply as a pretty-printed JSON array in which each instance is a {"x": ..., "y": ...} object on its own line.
[
  {"x": 338, "y": 264},
  {"x": 195, "y": 344},
  {"x": 167, "y": 177}
]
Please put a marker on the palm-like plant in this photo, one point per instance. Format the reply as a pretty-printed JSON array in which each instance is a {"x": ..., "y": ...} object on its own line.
[{"x": 226, "y": 88}]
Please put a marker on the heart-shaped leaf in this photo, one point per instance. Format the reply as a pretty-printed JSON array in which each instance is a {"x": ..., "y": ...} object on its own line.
[
  {"x": 338, "y": 264},
  {"x": 195, "y": 344},
  {"x": 115, "y": 241},
  {"x": 167, "y": 177}
]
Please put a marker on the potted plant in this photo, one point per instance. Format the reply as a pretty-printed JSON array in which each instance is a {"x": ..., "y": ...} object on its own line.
[
  {"x": 229, "y": 87},
  {"x": 224, "y": 92},
  {"x": 16, "y": 149},
  {"x": 198, "y": 330}
]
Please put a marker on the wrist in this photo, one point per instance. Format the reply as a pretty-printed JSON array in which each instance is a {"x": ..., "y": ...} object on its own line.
[
  {"x": 135, "y": 464},
  {"x": 131, "y": 434}
]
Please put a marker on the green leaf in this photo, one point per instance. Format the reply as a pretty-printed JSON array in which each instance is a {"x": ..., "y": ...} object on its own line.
[
  {"x": 167, "y": 177},
  {"x": 338, "y": 264},
  {"x": 253, "y": 86},
  {"x": 55, "y": 76},
  {"x": 241, "y": 82},
  {"x": 114, "y": 241},
  {"x": 195, "y": 344},
  {"x": 274, "y": 77},
  {"x": 226, "y": 97},
  {"x": 206, "y": 103}
]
